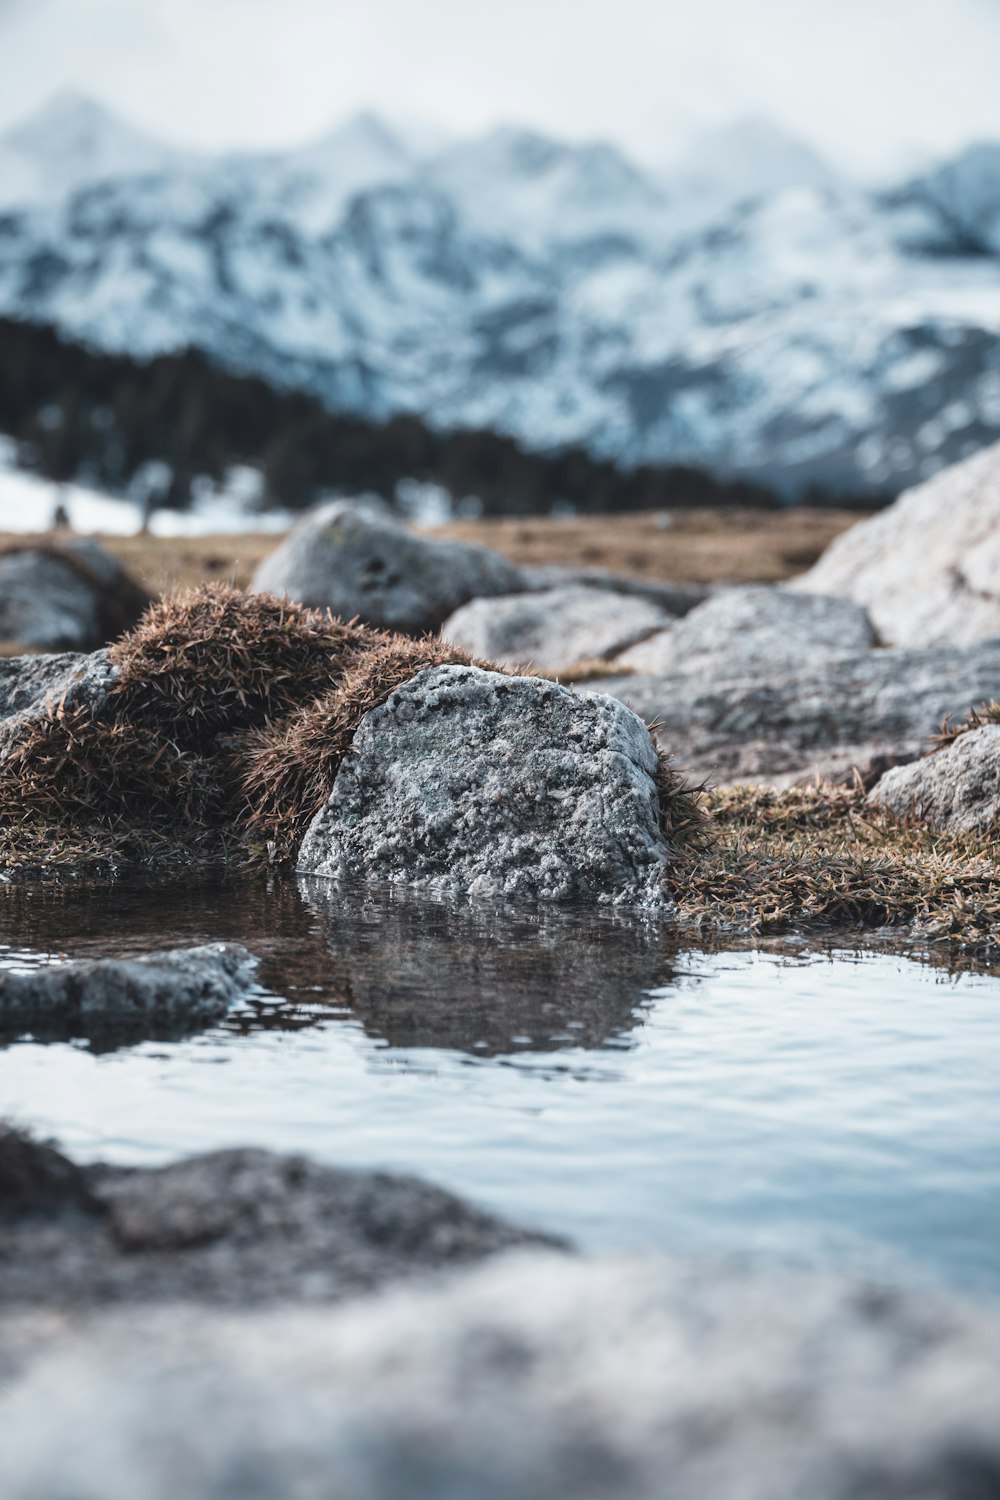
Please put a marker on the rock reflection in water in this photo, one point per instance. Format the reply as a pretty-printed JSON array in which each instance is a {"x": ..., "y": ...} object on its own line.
[
  {"x": 415, "y": 969},
  {"x": 420, "y": 971}
]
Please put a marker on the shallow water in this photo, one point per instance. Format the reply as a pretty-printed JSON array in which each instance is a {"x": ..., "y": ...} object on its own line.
[{"x": 586, "y": 1072}]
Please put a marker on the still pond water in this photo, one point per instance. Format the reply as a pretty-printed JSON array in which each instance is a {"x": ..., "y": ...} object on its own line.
[{"x": 588, "y": 1073}]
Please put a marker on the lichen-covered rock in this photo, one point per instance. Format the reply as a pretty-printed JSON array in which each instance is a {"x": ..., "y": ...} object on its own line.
[
  {"x": 534, "y": 1376},
  {"x": 65, "y": 597},
  {"x": 179, "y": 987},
  {"x": 237, "y": 1227},
  {"x": 553, "y": 629},
  {"x": 754, "y": 625},
  {"x": 468, "y": 780},
  {"x": 359, "y": 564},
  {"x": 872, "y": 710},
  {"x": 958, "y": 787},
  {"x": 927, "y": 569}
]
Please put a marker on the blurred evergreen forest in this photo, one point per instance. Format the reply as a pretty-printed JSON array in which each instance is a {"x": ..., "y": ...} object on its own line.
[{"x": 77, "y": 413}]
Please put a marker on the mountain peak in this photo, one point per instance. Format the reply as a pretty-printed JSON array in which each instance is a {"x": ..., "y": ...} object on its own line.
[
  {"x": 70, "y": 140},
  {"x": 749, "y": 157}
]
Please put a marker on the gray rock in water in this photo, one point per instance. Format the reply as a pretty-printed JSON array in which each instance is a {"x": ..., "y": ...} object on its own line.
[
  {"x": 358, "y": 564},
  {"x": 755, "y": 625},
  {"x": 67, "y": 597},
  {"x": 181, "y": 987},
  {"x": 870, "y": 711},
  {"x": 534, "y": 1378},
  {"x": 238, "y": 1227},
  {"x": 554, "y": 629},
  {"x": 466, "y": 780},
  {"x": 927, "y": 569},
  {"x": 958, "y": 787}
]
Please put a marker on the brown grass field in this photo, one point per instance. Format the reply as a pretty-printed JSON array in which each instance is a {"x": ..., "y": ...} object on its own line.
[{"x": 683, "y": 546}]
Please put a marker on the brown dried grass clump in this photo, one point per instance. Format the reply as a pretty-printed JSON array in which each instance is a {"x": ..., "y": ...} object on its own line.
[
  {"x": 70, "y": 768},
  {"x": 820, "y": 856},
  {"x": 216, "y": 660},
  {"x": 290, "y": 766}
]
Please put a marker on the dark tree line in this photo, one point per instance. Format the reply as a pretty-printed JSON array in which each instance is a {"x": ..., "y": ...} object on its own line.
[{"x": 79, "y": 413}]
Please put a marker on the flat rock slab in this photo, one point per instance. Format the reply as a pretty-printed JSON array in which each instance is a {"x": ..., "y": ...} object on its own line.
[
  {"x": 958, "y": 787},
  {"x": 468, "y": 780},
  {"x": 875, "y": 709},
  {"x": 553, "y": 629},
  {"x": 927, "y": 569},
  {"x": 672, "y": 598},
  {"x": 754, "y": 626},
  {"x": 358, "y": 564},
  {"x": 236, "y": 1227},
  {"x": 534, "y": 1376},
  {"x": 155, "y": 993}
]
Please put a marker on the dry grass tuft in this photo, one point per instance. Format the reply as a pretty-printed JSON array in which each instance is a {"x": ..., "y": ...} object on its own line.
[
  {"x": 217, "y": 660},
  {"x": 819, "y": 856},
  {"x": 291, "y": 765},
  {"x": 69, "y": 767}
]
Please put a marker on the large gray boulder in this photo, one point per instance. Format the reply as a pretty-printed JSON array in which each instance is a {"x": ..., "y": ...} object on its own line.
[
  {"x": 958, "y": 787},
  {"x": 554, "y": 629},
  {"x": 870, "y": 711},
  {"x": 468, "y": 780},
  {"x": 534, "y": 1377},
  {"x": 65, "y": 597},
  {"x": 179, "y": 988},
  {"x": 359, "y": 564},
  {"x": 236, "y": 1227},
  {"x": 754, "y": 626},
  {"x": 927, "y": 569}
]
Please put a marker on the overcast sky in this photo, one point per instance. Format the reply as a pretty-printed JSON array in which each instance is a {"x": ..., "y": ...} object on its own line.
[{"x": 874, "y": 83}]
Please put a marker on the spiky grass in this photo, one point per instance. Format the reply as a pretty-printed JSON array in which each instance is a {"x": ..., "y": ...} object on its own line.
[
  {"x": 217, "y": 660},
  {"x": 820, "y": 856}
]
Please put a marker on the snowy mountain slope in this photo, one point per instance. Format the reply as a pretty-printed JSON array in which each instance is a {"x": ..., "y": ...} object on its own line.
[{"x": 803, "y": 331}]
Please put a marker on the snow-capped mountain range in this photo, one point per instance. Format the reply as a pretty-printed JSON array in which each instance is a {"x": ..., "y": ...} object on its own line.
[{"x": 749, "y": 310}]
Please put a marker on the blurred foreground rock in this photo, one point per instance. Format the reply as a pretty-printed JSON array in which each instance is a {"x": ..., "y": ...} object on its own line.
[
  {"x": 533, "y": 1377},
  {"x": 927, "y": 569},
  {"x": 65, "y": 596},
  {"x": 236, "y": 1227},
  {"x": 348, "y": 559},
  {"x": 468, "y": 780},
  {"x": 958, "y": 787}
]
